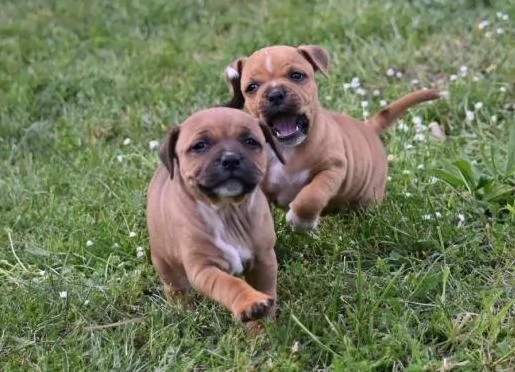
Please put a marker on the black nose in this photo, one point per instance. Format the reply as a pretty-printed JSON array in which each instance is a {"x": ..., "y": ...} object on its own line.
[
  {"x": 230, "y": 161},
  {"x": 276, "y": 96}
]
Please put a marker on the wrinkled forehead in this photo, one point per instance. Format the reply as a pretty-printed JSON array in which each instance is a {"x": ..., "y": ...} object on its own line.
[
  {"x": 274, "y": 61},
  {"x": 217, "y": 128}
]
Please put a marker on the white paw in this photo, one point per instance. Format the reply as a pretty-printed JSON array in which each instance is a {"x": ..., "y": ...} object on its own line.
[{"x": 300, "y": 224}]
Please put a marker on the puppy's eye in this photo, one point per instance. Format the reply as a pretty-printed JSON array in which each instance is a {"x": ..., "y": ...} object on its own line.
[
  {"x": 199, "y": 146},
  {"x": 251, "y": 142},
  {"x": 251, "y": 88},
  {"x": 297, "y": 76}
]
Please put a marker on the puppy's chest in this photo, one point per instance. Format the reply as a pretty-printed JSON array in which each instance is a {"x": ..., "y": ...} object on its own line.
[
  {"x": 283, "y": 182},
  {"x": 230, "y": 233}
]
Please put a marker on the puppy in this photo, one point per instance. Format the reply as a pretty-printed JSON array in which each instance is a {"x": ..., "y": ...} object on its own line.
[
  {"x": 207, "y": 218},
  {"x": 333, "y": 161}
]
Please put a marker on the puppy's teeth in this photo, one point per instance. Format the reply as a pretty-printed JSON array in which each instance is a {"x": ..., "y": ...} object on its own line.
[{"x": 231, "y": 73}]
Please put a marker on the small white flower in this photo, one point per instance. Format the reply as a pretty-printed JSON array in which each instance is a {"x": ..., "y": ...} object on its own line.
[
  {"x": 328, "y": 98},
  {"x": 470, "y": 115},
  {"x": 478, "y": 105},
  {"x": 89, "y": 243},
  {"x": 366, "y": 114},
  {"x": 502, "y": 89},
  {"x": 86, "y": 302},
  {"x": 427, "y": 217},
  {"x": 417, "y": 120},
  {"x": 382, "y": 103},
  {"x": 119, "y": 158},
  {"x": 483, "y": 24},
  {"x": 398, "y": 74},
  {"x": 402, "y": 126},
  {"x": 433, "y": 179},
  {"x": 408, "y": 194},
  {"x": 355, "y": 83},
  {"x": 389, "y": 178},
  {"x": 153, "y": 144},
  {"x": 406, "y": 171},
  {"x": 132, "y": 234},
  {"x": 364, "y": 104},
  {"x": 505, "y": 17},
  {"x": 390, "y": 157},
  {"x": 420, "y": 166},
  {"x": 476, "y": 78},
  {"x": 361, "y": 92},
  {"x": 127, "y": 141},
  {"x": 390, "y": 72},
  {"x": 499, "y": 31},
  {"x": 438, "y": 214},
  {"x": 346, "y": 86},
  {"x": 116, "y": 245},
  {"x": 493, "y": 119},
  {"x": 453, "y": 77},
  {"x": 376, "y": 92},
  {"x": 42, "y": 272},
  {"x": 408, "y": 146},
  {"x": 419, "y": 137},
  {"x": 488, "y": 34},
  {"x": 464, "y": 70},
  {"x": 63, "y": 294},
  {"x": 295, "y": 347},
  {"x": 140, "y": 253},
  {"x": 461, "y": 220},
  {"x": 415, "y": 82}
]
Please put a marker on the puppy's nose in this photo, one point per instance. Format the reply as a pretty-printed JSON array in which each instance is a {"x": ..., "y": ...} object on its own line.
[
  {"x": 230, "y": 161},
  {"x": 276, "y": 96}
]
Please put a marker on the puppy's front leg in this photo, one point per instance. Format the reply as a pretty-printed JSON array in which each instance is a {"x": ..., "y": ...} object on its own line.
[
  {"x": 305, "y": 209},
  {"x": 239, "y": 297},
  {"x": 262, "y": 275}
]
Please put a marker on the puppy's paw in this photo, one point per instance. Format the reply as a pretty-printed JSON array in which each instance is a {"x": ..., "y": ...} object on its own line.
[
  {"x": 300, "y": 224},
  {"x": 254, "y": 308}
]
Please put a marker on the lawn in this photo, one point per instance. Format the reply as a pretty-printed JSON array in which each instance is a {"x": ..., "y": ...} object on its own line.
[{"x": 423, "y": 282}]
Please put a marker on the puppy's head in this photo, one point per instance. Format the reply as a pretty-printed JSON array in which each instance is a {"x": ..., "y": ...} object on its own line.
[
  {"x": 278, "y": 86},
  {"x": 218, "y": 153}
]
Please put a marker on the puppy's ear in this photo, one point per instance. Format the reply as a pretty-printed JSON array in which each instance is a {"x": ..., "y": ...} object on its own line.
[
  {"x": 270, "y": 140},
  {"x": 167, "y": 150},
  {"x": 232, "y": 76},
  {"x": 317, "y": 56}
]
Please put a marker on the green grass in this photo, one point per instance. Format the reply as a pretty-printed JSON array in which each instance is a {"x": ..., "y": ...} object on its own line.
[{"x": 390, "y": 290}]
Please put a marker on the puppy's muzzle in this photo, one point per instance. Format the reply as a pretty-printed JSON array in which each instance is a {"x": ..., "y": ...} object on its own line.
[
  {"x": 283, "y": 115},
  {"x": 231, "y": 175}
]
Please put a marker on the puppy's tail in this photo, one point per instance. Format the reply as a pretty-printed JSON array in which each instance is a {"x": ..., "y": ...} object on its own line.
[
  {"x": 384, "y": 118},
  {"x": 237, "y": 100}
]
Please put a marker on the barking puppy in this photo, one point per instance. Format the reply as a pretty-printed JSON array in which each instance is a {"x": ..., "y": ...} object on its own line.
[
  {"x": 333, "y": 161},
  {"x": 208, "y": 220}
]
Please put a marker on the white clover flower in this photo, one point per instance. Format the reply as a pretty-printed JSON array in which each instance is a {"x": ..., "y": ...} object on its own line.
[
  {"x": 415, "y": 82},
  {"x": 419, "y": 137},
  {"x": 398, "y": 74},
  {"x": 408, "y": 146},
  {"x": 382, "y": 103},
  {"x": 502, "y": 89},
  {"x": 127, "y": 141},
  {"x": 355, "y": 83},
  {"x": 360, "y": 91},
  {"x": 402, "y": 126},
  {"x": 389, "y": 178},
  {"x": 406, "y": 171},
  {"x": 417, "y": 120},
  {"x": 42, "y": 272},
  {"x": 461, "y": 220},
  {"x": 153, "y": 144},
  {"x": 438, "y": 214},
  {"x": 346, "y": 86},
  {"x": 478, "y": 105},
  {"x": 470, "y": 115},
  {"x": 364, "y": 104},
  {"x": 427, "y": 217},
  {"x": 132, "y": 234},
  {"x": 390, "y": 72},
  {"x": 493, "y": 119},
  {"x": 86, "y": 302},
  {"x": 376, "y": 92},
  {"x": 295, "y": 347},
  {"x": 476, "y": 78},
  {"x": 390, "y": 157},
  {"x": 453, "y": 77},
  {"x": 420, "y": 166},
  {"x": 499, "y": 31},
  {"x": 488, "y": 34},
  {"x": 63, "y": 294},
  {"x": 408, "y": 194},
  {"x": 505, "y": 17},
  {"x": 433, "y": 179},
  {"x": 89, "y": 243},
  {"x": 119, "y": 158},
  {"x": 140, "y": 252},
  {"x": 483, "y": 24},
  {"x": 463, "y": 70}
]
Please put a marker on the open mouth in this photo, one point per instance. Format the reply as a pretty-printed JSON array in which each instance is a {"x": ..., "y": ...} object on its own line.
[
  {"x": 290, "y": 130},
  {"x": 230, "y": 188}
]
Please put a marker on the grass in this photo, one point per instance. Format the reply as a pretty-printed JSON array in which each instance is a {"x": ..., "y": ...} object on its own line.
[{"x": 409, "y": 286}]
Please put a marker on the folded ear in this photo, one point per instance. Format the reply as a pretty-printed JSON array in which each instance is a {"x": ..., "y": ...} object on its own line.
[
  {"x": 270, "y": 140},
  {"x": 167, "y": 152},
  {"x": 317, "y": 56},
  {"x": 232, "y": 76}
]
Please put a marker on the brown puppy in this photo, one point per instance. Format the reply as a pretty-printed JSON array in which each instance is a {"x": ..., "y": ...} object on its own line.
[
  {"x": 208, "y": 220},
  {"x": 333, "y": 161}
]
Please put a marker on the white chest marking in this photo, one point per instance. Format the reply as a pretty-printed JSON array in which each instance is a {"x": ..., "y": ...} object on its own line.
[
  {"x": 234, "y": 252},
  {"x": 285, "y": 185}
]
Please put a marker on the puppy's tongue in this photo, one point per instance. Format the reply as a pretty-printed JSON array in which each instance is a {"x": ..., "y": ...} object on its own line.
[{"x": 285, "y": 127}]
